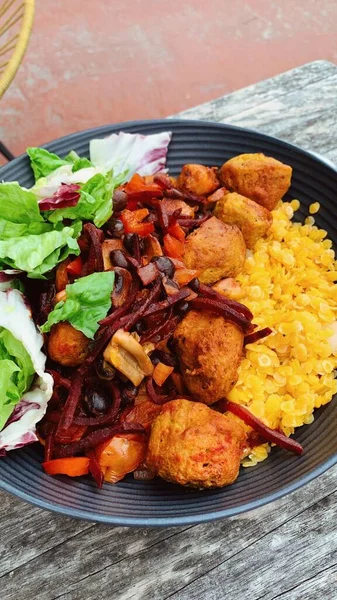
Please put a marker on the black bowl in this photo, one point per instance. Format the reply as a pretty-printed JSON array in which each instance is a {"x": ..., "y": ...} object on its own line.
[{"x": 158, "y": 503}]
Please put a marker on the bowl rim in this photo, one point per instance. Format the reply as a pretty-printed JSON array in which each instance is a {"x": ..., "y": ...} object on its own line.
[{"x": 213, "y": 515}]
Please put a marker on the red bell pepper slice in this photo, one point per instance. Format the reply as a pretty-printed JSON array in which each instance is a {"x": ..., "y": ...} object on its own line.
[
  {"x": 132, "y": 221},
  {"x": 74, "y": 466},
  {"x": 173, "y": 247},
  {"x": 75, "y": 267},
  {"x": 177, "y": 232}
]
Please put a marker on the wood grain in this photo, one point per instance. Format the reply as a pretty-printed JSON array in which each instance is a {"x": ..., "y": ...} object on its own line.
[{"x": 286, "y": 550}]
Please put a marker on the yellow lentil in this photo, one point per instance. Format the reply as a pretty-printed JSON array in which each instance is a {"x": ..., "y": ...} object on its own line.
[{"x": 288, "y": 283}]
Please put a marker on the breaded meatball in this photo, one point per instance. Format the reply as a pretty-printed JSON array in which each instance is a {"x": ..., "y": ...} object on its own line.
[
  {"x": 215, "y": 248},
  {"x": 193, "y": 445},
  {"x": 258, "y": 177},
  {"x": 67, "y": 346},
  {"x": 253, "y": 219},
  {"x": 198, "y": 180},
  {"x": 210, "y": 351}
]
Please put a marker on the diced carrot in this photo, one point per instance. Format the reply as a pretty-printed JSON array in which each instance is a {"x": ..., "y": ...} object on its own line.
[{"x": 161, "y": 373}]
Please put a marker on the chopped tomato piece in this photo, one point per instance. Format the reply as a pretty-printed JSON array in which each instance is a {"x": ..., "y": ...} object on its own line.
[
  {"x": 74, "y": 467},
  {"x": 75, "y": 267},
  {"x": 173, "y": 247},
  {"x": 132, "y": 221},
  {"x": 177, "y": 232},
  {"x": 121, "y": 455}
]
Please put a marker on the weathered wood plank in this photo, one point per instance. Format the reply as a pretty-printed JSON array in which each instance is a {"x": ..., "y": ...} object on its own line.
[
  {"x": 301, "y": 549},
  {"x": 319, "y": 587},
  {"x": 27, "y": 532},
  {"x": 114, "y": 561},
  {"x": 298, "y": 79},
  {"x": 57, "y": 557}
]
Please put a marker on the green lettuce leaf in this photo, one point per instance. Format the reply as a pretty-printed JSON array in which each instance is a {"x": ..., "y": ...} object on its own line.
[
  {"x": 88, "y": 301},
  {"x": 18, "y": 205},
  {"x": 77, "y": 162},
  {"x": 38, "y": 254},
  {"x": 44, "y": 162},
  {"x": 16, "y": 373},
  {"x": 95, "y": 203}
]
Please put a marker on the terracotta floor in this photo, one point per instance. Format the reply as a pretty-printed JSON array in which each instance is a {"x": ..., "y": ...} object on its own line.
[{"x": 90, "y": 63}]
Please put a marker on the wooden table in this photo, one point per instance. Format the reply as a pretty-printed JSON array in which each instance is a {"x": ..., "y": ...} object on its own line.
[{"x": 286, "y": 550}]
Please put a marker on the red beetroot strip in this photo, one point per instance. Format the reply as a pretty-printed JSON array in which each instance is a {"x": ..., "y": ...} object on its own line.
[
  {"x": 95, "y": 438},
  {"x": 49, "y": 444},
  {"x": 257, "y": 335},
  {"x": 95, "y": 260},
  {"x": 153, "y": 396},
  {"x": 220, "y": 308},
  {"x": 163, "y": 330},
  {"x": 208, "y": 292},
  {"x": 122, "y": 310},
  {"x": 108, "y": 419},
  {"x": 268, "y": 434},
  {"x": 71, "y": 403},
  {"x": 164, "y": 304}
]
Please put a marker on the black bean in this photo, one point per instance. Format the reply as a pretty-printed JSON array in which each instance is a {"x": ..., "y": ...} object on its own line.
[
  {"x": 103, "y": 369},
  {"x": 120, "y": 200},
  {"x": 128, "y": 241},
  {"x": 96, "y": 402},
  {"x": 129, "y": 393},
  {"x": 182, "y": 308},
  {"x": 165, "y": 265},
  {"x": 118, "y": 259},
  {"x": 194, "y": 284},
  {"x": 116, "y": 228}
]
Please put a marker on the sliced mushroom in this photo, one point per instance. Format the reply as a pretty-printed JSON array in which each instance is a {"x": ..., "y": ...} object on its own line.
[
  {"x": 125, "y": 353},
  {"x": 123, "y": 282},
  {"x": 107, "y": 247}
]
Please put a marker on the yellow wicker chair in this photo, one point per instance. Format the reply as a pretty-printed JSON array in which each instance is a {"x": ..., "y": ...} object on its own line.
[{"x": 16, "y": 19}]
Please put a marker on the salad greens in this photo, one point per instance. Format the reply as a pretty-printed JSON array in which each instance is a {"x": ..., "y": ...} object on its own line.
[
  {"x": 25, "y": 387},
  {"x": 88, "y": 300},
  {"x": 16, "y": 373}
]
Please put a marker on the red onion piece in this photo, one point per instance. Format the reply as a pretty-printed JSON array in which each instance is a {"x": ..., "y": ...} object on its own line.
[
  {"x": 49, "y": 444},
  {"x": 148, "y": 273},
  {"x": 268, "y": 434},
  {"x": 153, "y": 396}
]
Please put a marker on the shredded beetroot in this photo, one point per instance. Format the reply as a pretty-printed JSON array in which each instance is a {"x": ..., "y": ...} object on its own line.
[
  {"x": 95, "y": 438},
  {"x": 257, "y": 335},
  {"x": 221, "y": 309},
  {"x": 164, "y": 304},
  {"x": 49, "y": 444},
  {"x": 95, "y": 259},
  {"x": 71, "y": 403},
  {"x": 67, "y": 195},
  {"x": 59, "y": 380},
  {"x": 190, "y": 223},
  {"x": 108, "y": 419},
  {"x": 268, "y": 434},
  {"x": 96, "y": 472},
  {"x": 163, "y": 180},
  {"x": 163, "y": 217},
  {"x": 209, "y": 292},
  {"x": 148, "y": 273},
  {"x": 153, "y": 396},
  {"x": 122, "y": 310},
  {"x": 163, "y": 329},
  {"x": 152, "y": 297}
]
